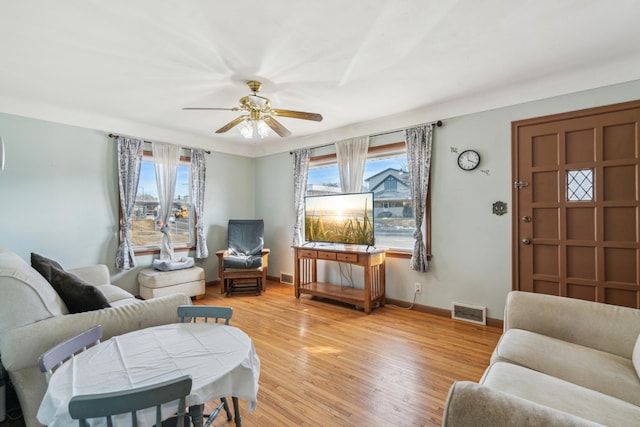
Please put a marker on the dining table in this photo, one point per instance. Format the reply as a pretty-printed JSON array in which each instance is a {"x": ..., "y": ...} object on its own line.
[{"x": 221, "y": 360}]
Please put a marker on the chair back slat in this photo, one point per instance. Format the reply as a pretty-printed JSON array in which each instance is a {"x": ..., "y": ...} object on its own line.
[
  {"x": 56, "y": 356},
  {"x": 217, "y": 314},
  {"x": 83, "y": 407}
]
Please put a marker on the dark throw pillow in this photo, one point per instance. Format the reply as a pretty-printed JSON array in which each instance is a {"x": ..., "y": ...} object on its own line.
[
  {"x": 77, "y": 294},
  {"x": 43, "y": 265}
]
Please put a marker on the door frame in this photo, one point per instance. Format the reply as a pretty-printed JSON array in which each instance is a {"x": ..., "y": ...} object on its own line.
[{"x": 515, "y": 155}]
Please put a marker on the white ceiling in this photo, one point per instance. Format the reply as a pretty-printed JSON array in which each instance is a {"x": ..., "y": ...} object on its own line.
[{"x": 130, "y": 66}]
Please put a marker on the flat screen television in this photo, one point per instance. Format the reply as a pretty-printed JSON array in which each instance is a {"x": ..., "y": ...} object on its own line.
[{"x": 345, "y": 218}]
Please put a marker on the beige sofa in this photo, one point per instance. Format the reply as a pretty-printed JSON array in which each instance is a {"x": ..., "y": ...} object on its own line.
[
  {"x": 560, "y": 362},
  {"x": 33, "y": 318}
]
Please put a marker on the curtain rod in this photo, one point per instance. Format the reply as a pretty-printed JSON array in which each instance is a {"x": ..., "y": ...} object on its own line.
[
  {"x": 113, "y": 135},
  {"x": 432, "y": 124}
]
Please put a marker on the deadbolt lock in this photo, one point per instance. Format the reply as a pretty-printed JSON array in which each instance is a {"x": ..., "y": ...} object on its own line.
[
  {"x": 526, "y": 218},
  {"x": 526, "y": 240}
]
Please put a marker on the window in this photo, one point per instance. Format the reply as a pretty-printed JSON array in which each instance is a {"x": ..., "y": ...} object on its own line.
[
  {"x": 387, "y": 177},
  {"x": 580, "y": 185},
  {"x": 147, "y": 216},
  {"x": 390, "y": 184}
]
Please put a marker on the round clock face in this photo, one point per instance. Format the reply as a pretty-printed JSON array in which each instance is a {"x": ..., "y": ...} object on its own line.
[{"x": 468, "y": 160}]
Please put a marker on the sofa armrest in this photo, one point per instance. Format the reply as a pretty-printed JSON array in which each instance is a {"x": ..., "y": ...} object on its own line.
[
  {"x": 94, "y": 274},
  {"x": 20, "y": 347},
  {"x": 472, "y": 404},
  {"x": 604, "y": 327}
]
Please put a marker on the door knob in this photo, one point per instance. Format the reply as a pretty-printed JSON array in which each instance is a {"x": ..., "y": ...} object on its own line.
[
  {"x": 526, "y": 218},
  {"x": 526, "y": 240}
]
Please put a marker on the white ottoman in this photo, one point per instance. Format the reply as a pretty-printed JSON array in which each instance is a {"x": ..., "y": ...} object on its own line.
[{"x": 154, "y": 283}]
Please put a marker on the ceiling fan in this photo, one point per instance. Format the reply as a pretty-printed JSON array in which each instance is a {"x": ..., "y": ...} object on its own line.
[{"x": 259, "y": 112}]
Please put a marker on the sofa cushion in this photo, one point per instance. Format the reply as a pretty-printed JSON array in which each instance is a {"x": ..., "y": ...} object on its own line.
[
  {"x": 114, "y": 293},
  {"x": 43, "y": 265},
  {"x": 605, "y": 327},
  {"x": 471, "y": 404},
  {"x": 20, "y": 287},
  {"x": 97, "y": 274},
  {"x": 78, "y": 295},
  {"x": 562, "y": 395},
  {"x": 598, "y": 370}
]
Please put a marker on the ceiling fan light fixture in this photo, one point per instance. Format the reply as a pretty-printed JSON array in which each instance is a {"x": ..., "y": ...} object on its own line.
[
  {"x": 263, "y": 128},
  {"x": 258, "y": 119},
  {"x": 250, "y": 129}
]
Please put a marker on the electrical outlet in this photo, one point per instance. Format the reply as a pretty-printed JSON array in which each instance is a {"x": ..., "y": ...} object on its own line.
[{"x": 418, "y": 288}]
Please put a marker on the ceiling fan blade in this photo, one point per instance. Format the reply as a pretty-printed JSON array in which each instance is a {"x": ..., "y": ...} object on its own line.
[
  {"x": 231, "y": 124},
  {"x": 276, "y": 126},
  {"x": 297, "y": 115},
  {"x": 211, "y": 108}
]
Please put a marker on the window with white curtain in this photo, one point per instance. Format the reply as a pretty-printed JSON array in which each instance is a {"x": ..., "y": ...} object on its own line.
[
  {"x": 387, "y": 177},
  {"x": 147, "y": 218}
]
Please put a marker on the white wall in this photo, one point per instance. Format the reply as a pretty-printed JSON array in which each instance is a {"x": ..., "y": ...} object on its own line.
[
  {"x": 59, "y": 196},
  {"x": 471, "y": 246}
]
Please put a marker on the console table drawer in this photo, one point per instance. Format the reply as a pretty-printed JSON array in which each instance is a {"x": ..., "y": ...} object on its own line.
[
  {"x": 326, "y": 255},
  {"x": 306, "y": 253},
  {"x": 348, "y": 258}
]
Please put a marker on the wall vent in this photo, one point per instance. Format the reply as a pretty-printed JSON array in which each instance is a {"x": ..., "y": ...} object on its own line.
[
  {"x": 469, "y": 313},
  {"x": 286, "y": 278}
]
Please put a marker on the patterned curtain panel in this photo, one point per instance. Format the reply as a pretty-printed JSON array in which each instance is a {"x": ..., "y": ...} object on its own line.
[
  {"x": 300, "y": 170},
  {"x": 166, "y": 158},
  {"x": 129, "y": 161},
  {"x": 198, "y": 179},
  {"x": 418, "y": 140},
  {"x": 352, "y": 157}
]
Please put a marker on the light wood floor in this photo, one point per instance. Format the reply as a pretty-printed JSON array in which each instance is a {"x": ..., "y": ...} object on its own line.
[{"x": 326, "y": 364}]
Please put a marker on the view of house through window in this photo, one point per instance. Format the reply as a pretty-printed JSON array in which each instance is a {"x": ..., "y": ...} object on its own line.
[
  {"x": 386, "y": 176},
  {"x": 147, "y": 215}
]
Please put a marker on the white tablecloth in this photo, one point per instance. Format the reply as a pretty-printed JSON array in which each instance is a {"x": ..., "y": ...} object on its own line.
[{"x": 220, "y": 359}]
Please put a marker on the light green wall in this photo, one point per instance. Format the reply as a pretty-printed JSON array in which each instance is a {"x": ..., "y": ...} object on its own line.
[
  {"x": 59, "y": 196},
  {"x": 275, "y": 206},
  {"x": 471, "y": 246}
]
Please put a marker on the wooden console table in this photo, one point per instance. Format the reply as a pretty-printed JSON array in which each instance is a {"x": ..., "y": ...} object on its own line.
[{"x": 371, "y": 259}]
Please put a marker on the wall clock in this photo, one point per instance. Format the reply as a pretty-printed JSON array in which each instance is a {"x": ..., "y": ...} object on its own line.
[{"x": 468, "y": 160}]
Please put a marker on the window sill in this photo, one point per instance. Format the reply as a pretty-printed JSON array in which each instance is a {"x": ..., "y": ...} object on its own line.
[
  {"x": 396, "y": 253},
  {"x": 153, "y": 251}
]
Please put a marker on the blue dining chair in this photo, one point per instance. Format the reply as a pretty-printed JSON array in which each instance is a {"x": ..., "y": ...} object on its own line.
[
  {"x": 51, "y": 359},
  {"x": 107, "y": 405},
  {"x": 212, "y": 314},
  {"x": 215, "y": 314}
]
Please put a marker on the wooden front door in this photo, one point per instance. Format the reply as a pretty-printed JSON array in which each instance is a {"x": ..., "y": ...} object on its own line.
[{"x": 576, "y": 204}]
